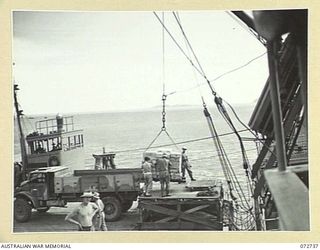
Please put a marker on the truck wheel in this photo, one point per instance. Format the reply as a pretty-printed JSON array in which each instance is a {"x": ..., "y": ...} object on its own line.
[
  {"x": 112, "y": 208},
  {"x": 22, "y": 210},
  {"x": 126, "y": 205},
  {"x": 43, "y": 209}
]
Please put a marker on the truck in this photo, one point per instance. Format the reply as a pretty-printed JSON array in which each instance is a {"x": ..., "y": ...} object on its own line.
[
  {"x": 56, "y": 186},
  {"x": 53, "y": 171}
]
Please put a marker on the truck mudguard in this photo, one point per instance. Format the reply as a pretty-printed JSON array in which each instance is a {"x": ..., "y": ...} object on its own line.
[{"x": 28, "y": 196}]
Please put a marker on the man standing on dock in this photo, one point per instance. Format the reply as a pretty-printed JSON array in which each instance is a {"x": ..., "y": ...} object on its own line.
[
  {"x": 100, "y": 217},
  {"x": 162, "y": 166},
  {"x": 185, "y": 165},
  {"x": 83, "y": 214}
]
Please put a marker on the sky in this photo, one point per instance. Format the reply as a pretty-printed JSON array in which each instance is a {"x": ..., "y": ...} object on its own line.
[{"x": 69, "y": 62}]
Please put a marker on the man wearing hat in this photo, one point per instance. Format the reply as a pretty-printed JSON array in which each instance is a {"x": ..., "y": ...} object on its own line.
[
  {"x": 163, "y": 166},
  {"x": 185, "y": 165},
  {"x": 100, "y": 217},
  {"x": 83, "y": 215}
]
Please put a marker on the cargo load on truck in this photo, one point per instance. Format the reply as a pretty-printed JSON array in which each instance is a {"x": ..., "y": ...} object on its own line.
[{"x": 174, "y": 158}]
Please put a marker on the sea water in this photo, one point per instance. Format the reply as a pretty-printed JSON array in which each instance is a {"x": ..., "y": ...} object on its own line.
[{"x": 128, "y": 133}]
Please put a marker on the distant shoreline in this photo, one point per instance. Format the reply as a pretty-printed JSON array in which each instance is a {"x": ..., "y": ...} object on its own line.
[{"x": 151, "y": 109}]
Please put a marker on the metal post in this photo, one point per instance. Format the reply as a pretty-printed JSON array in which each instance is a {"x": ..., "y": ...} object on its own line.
[
  {"x": 272, "y": 48},
  {"x": 302, "y": 59},
  {"x": 22, "y": 137}
]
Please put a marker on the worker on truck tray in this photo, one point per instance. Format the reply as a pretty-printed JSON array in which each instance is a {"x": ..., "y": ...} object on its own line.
[
  {"x": 163, "y": 167},
  {"x": 186, "y": 165},
  {"x": 147, "y": 176},
  {"x": 83, "y": 215}
]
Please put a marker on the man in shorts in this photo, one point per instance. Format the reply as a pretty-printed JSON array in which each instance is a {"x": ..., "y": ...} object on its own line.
[
  {"x": 163, "y": 167},
  {"x": 147, "y": 176}
]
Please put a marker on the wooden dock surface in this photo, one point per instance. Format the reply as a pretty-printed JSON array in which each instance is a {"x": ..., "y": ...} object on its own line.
[
  {"x": 53, "y": 221},
  {"x": 182, "y": 190}
]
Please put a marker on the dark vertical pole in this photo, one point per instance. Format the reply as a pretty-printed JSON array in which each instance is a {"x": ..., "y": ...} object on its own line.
[
  {"x": 302, "y": 59},
  {"x": 22, "y": 139},
  {"x": 272, "y": 47}
]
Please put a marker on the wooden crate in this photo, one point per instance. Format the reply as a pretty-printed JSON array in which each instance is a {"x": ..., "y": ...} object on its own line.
[
  {"x": 180, "y": 214},
  {"x": 183, "y": 210}
]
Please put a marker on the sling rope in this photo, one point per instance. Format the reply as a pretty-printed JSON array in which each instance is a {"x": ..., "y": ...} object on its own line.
[{"x": 164, "y": 96}]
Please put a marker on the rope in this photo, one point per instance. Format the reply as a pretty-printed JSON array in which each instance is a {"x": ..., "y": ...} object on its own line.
[
  {"x": 179, "y": 47},
  {"x": 178, "y": 143},
  {"x": 193, "y": 71},
  {"x": 228, "y": 171},
  {"x": 226, "y": 116},
  {"x": 244, "y": 125},
  {"x": 189, "y": 45},
  {"x": 163, "y": 59}
]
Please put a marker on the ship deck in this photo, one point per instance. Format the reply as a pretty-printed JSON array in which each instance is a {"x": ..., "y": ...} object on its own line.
[{"x": 187, "y": 190}]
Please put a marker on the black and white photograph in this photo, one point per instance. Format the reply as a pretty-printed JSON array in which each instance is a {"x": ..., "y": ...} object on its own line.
[{"x": 175, "y": 120}]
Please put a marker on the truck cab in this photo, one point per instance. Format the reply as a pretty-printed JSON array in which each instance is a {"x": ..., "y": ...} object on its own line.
[{"x": 37, "y": 192}]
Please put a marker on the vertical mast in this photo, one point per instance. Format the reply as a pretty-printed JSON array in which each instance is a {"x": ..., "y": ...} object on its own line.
[{"x": 22, "y": 138}]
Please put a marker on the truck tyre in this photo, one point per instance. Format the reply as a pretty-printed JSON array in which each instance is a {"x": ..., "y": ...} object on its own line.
[
  {"x": 22, "y": 210},
  {"x": 126, "y": 205},
  {"x": 43, "y": 209},
  {"x": 112, "y": 208}
]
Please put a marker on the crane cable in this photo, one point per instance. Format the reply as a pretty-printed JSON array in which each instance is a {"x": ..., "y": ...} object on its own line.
[
  {"x": 220, "y": 154},
  {"x": 215, "y": 79},
  {"x": 164, "y": 96},
  {"x": 245, "y": 161},
  {"x": 221, "y": 108},
  {"x": 209, "y": 119},
  {"x": 213, "y": 92},
  {"x": 225, "y": 163}
]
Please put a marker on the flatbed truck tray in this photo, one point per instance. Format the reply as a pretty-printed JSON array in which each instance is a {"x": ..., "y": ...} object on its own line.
[{"x": 182, "y": 210}]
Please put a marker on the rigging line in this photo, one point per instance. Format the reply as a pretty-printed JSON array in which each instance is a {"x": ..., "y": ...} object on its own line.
[
  {"x": 230, "y": 168},
  {"x": 187, "y": 40},
  {"x": 203, "y": 74},
  {"x": 226, "y": 116},
  {"x": 191, "y": 62},
  {"x": 225, "y": 163},
  {"x": 224, "y": 74},
  {"x": 213, "y": 156},
  {"x": 171, "y": 139},
  {"x": 181, "y": 142},
  {"x": 238, "y": 68},
  {"x": 193, "y": 71},
  {"x": 163, "y": 59},
  {"x": 220, "y": 147},
  {"x": 25, "y": 120},
  {"x": 245, "y": 126},
  {"x": 233, "y": 175},
  {"x": 149, "y": 146}
]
